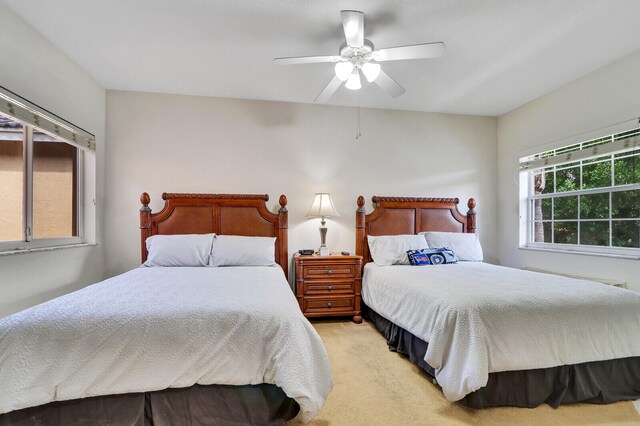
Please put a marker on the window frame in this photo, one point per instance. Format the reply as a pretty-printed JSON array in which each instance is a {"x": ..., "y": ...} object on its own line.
[
  {"x": 527, "y": 205},
  {"x": 28, "y": 242},
  {"x": 630, "y": 251}
]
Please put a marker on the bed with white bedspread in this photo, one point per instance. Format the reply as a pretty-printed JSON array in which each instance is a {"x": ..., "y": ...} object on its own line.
[
  {"x": 208, "y": 332},
  {"x": 480, "y": 318},
  {"x": 491, "y": 335},
  {"x": 157, "y": 328}
]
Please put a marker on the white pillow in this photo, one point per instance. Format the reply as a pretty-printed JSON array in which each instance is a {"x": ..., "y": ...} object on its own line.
[
  {"x": 465, "y": 246},
  {"x": 179, "y": 250},
  {"x": 392, "y": 249},
  {"x": 234, "y": 250}
]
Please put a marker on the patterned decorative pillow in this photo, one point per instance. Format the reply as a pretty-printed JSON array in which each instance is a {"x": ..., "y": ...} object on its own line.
[
  {"x": 432, "y": 256},
  {"x": 466, "y": 246}
]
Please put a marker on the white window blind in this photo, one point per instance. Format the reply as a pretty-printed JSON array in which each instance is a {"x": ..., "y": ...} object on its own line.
[
  {"x": 622, "y": 141},
  {"x": 26, "y": 112}
]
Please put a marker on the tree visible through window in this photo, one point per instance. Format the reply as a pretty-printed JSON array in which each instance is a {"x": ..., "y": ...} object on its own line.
[{"x": 591, "y": 202}]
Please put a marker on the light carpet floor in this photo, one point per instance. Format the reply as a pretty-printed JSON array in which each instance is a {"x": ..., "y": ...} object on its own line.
[{"x": 374, "y": 386}]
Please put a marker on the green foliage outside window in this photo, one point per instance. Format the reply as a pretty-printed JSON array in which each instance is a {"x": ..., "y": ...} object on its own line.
[
  {"x": 596, "y": 175},
  {"x": 600, "y": 214}
]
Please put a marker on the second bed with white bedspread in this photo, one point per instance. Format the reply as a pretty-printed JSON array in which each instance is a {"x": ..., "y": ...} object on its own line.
[{"x": 479, "y": 318}]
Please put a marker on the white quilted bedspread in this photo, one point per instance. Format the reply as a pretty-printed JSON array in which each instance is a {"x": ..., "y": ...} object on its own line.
[
  {"x": 155, "y": 328},
  {"x": 480, "y": 318}
]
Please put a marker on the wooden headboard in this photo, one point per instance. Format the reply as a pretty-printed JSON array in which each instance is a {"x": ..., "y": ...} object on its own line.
[
  {"x": 230, "y": 214},
  {"x": 408, "y": 215}
]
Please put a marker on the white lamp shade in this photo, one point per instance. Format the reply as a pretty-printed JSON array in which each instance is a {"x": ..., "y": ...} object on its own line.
[
  {"x": 343, "y": 70},
  {"x": 322, "y": 206},
  {"x": 353, "y": 83},
  {"x": 371, "y": 71}
]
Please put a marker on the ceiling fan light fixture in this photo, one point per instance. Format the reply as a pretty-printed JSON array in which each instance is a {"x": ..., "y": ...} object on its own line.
[
  {"x": 344, "y": 70},
  {"x": 358, "y": 53},
  {"x": 353, "y": 83},
  {"x": 371, "y": 71}
]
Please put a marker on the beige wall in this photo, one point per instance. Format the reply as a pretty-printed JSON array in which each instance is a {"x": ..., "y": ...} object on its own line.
[
  {"x": 161, "y": 143},
  {"x": 603, "y": 98},
  {"x": 32, "y": 67}
]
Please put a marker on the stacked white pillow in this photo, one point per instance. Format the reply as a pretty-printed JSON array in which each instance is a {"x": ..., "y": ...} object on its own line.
[
  {"x": 179, "y": 250},
  {"x": 387, "y": 250},
  {"x": 234, "y": 250},
  {"x": 465, "y": 246}
]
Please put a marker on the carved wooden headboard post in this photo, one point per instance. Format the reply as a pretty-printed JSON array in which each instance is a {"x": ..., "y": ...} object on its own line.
[
  {"x": 361, "y": 238},
  {"x": 283, "y": 225},
  {"x": 471, "y": 216},
  {"x": 145, "y": 223}
]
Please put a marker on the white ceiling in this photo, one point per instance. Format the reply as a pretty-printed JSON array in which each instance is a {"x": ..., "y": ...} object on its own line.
[{"x": 500, "y": 53}]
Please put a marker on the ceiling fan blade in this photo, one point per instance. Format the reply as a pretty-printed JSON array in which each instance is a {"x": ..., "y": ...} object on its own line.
[
  {"x": 389, "y": 85},
  {"x": 295, "y": 60},
  {"x": 353, "y": 25},
  {"x": 413, "y": 51},
  {"x": 329, "y": 90}
]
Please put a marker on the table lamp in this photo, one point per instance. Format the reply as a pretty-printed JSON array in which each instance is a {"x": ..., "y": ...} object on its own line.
[{"x": 322, "y": 206}]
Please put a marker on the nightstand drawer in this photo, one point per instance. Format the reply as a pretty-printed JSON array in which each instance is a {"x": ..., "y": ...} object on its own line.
[
  {"x": 328, "y": 305},
  {"x": 332, "y": 271},
  {"x": 325, "y": 288}
]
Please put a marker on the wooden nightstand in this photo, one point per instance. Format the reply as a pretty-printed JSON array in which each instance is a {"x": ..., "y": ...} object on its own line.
[{"x": 329, "y": 285}]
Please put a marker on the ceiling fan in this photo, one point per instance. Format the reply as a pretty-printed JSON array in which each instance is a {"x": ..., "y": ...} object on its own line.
[{"x": 358, "y": 55}]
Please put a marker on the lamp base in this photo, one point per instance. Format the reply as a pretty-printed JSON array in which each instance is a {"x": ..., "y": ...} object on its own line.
[{"x": 324, "y": 251}]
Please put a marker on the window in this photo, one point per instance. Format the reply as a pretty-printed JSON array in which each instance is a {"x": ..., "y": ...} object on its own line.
[
  {"x": 585, "y": 196},
  {"x": 41, "y": 177}
]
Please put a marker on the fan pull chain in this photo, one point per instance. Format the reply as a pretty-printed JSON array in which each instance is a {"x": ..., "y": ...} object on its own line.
[{"x": 358, "y": 134}]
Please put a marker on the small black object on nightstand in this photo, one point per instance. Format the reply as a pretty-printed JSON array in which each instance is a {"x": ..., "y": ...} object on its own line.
[
  {"x": 306, "y": 252},
  {"x": 345, "y": 253}
]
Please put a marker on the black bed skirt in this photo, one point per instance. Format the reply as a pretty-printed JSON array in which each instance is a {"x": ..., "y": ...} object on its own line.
[
  {"x": 263, "y": 404},
  {"x": 597, "y": 382}
]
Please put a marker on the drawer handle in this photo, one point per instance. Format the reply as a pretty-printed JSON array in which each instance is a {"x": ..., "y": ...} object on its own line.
[
  {"x": 329, "y": 272},
  {"x": 330, "y": 287},
  {"x": 329, "y": 304}
]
